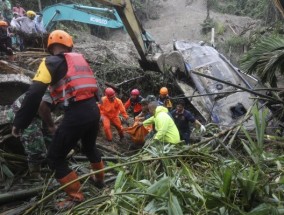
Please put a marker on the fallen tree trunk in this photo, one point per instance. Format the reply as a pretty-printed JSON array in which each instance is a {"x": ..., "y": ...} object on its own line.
[{"x": 22, "y": 194}]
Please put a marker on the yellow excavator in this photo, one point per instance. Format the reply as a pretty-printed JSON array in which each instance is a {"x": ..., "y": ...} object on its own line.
[
  {"x": 148, "y": 50},
  {"x": 280, "y": 6},
  {"x": 150, "y": 53}
]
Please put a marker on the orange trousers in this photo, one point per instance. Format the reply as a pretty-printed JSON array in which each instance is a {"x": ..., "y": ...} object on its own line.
[{"x": 114, "y": 121}]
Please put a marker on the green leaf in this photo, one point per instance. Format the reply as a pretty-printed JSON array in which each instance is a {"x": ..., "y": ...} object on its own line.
[
  {"x": 227, "y": 180},
  {"x": 174, "y": 206},
  {"x": 119, "y": 180},
  {"x": 160, "y": 188},
  {"x": 7, "y": 171},
  {"x": 265, "y": 59},
  {"x": 263, "y": 209},
  {"x": 155, "y": 206},
  {"x": 145, "y": 182},
  {"x": 250, "y": 153},
  {"x": 196, "y": 191}
]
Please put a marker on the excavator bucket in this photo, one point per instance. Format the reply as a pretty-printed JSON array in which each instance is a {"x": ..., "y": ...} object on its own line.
[{"x": 164, "y": 61}]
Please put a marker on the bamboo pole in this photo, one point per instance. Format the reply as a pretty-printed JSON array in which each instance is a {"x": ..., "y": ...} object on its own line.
[
  {"x": 22, "y": 194},
  {"x": 113, "y": 159},
  {"x": 238, "y": 87},
  {"x": 15, "y": 157},
  {"x": 227, "y": 92}
]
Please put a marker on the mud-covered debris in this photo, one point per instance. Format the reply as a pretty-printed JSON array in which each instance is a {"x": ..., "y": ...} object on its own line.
[{"x": 100, "y": 51}]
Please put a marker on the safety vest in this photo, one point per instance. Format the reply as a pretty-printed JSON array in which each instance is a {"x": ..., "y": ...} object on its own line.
[
  {"x": 78, "y": 84},
  {"x": 166, "y": 102}
]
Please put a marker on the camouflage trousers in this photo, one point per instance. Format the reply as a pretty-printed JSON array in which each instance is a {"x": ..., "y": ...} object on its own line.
[{"x": 32, "y": 139}]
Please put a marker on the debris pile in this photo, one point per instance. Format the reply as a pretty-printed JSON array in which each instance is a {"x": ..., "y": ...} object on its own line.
[{"x": 221, "y": 172}]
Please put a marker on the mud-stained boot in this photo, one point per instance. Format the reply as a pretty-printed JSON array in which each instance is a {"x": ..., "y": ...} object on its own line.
[
  {"x": 73, "y": 191},
  {"x": 34, "y": 171},
  {"x": 99, "y": 177}
]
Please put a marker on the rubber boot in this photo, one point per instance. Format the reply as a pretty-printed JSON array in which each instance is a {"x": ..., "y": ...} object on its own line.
[
  {"x": 73, "y": 191},
  {"x": 99, "y": 177},
  {"x": 34, "y": 171}
]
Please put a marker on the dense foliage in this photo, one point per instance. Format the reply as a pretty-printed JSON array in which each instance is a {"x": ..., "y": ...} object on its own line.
[
  {"x": 226, "y": 176},
  {"x": 259, "y": 9},
  {"x": 266, "y": 59}
]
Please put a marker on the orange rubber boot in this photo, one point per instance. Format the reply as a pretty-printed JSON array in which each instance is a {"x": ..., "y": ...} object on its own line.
[
  {"x": 99, "y": 177},
  {"x": 73, "y": 191}
]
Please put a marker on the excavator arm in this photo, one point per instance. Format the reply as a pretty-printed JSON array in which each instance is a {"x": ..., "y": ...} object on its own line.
[
  {"x": 132, "y": 25},
  {"x": 85, "y": 14},
  {"x": 121, "y": 16},
  {"x": 280, "y": 6},
  {"x": 150, "y": 53}
]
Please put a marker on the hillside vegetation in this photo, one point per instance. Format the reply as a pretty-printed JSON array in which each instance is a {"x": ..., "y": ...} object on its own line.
[{"x": 258, "y": 9}]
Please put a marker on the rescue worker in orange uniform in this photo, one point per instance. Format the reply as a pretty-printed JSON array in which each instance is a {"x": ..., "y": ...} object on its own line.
[
  {"x": 71, "y": 81},
  {"x": 164, "y": 99},
  {"x": 110, "y": 108},
  {"x": 135, "y": 102}
]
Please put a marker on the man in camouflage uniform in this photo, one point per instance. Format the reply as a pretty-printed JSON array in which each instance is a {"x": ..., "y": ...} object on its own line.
[{"x": 32, "y": 137}]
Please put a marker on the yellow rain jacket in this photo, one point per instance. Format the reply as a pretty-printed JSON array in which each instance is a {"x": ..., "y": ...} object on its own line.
[{"x": 165, "y": 126}]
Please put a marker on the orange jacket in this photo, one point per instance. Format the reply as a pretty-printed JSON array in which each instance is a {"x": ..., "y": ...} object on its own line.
[
  {"x": 112, "y": 109},
  {"x": 135, "y": 103}
]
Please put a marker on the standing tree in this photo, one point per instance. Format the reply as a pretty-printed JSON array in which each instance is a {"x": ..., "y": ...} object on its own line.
[
  {"x": 39, "y": 5},
  {"x": 266, "y": 59},
  {"x": 208, "y": 23}
]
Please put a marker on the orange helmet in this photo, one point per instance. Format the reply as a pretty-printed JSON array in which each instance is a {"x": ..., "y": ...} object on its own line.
[
  {"x": 164, "y": 91},
  {"x": 3, "y": 24},
  {"x": 109, "y": 92},
  {"x": 60, "y": 37}
]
